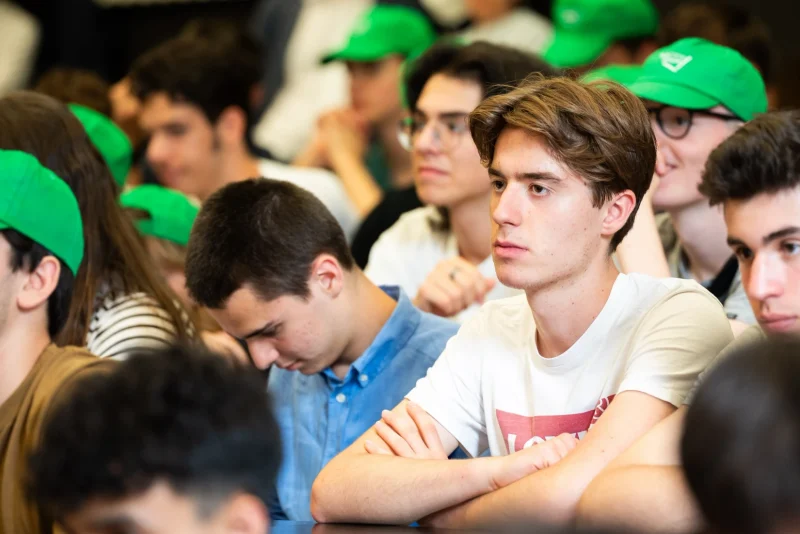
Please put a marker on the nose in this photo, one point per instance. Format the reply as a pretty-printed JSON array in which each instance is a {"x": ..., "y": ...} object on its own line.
[
  {"x": 764, "y": 279},
  {"x": 156, "y": 150},
  {"x": 264, "y": 353},
  {"x": 427, "y": 140},
  {"x": 506, "y": 206},
  {"x": 661, "y": 162}
]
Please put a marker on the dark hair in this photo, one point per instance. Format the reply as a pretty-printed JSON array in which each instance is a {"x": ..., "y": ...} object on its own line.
[
  {"x": 729, "y": 25},
  {"x": 497, "y": 69},
  {"x": 41, "y": 126},
  {"x": 599, "y": 130},
  {"x": 741, "y": 441},
  {"x": 183, "y": 415},
  {"x": 76, "y": 86},
  {"x": 27, "y": 254},
  {"x": 763, "y": 156},
  {"x": 261, "y": 232},
  {"x": 212, "y": 70}
]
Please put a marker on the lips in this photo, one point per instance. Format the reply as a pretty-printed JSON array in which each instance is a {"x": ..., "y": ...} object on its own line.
[
  {"x": 508, "y": 249},
  {"x": 778, "y": 323},
  {"x": 430, "y": 172}
]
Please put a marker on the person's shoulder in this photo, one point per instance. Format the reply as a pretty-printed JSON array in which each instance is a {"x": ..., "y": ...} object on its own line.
[
  {"x": 754, "y": 334},
  {"x": 659, "y": 289},
  {"x": 414, "y": 225},
  {"x": 61, "y": 366},
  {"x": 292, "y": 173}
]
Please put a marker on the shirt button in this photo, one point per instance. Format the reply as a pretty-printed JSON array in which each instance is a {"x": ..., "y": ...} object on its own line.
[
  {"x": 363, "y": 379},
  {"x": 340, "y": 398}
]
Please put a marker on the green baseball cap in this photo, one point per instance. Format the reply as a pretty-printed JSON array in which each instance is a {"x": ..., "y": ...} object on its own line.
[
  {"x": 172, "y": 213},
  {"x": 697, "y": 74},
  {"x": 584, "y": 29},
  {"x": 40, "y": 205},
  {"x": 385, "y": 30},
  {"x": 110, "y": 141},
  {"x": 622, "y": 74}
]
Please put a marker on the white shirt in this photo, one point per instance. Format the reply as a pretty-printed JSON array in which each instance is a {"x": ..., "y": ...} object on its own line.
[
  {"x": 492, "y": 389},
  {"x": 325, "y": 185},
  {"x": 408, "y": 252},
  {"x": 522, "y": 28}
]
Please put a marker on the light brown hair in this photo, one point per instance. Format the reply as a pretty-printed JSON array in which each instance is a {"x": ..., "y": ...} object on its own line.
[{"x": 600, "y": 131}]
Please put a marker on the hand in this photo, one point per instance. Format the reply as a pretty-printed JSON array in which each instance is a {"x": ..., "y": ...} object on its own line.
[
  {"x": 534, "y": 458},
  {"x": 344, "y": 133},
  {"x": 316, "y": 152},
  {"x": 225, "y": 345},
  {"x": 454, "y": 285},
  {"x": 409, "y": 435}
]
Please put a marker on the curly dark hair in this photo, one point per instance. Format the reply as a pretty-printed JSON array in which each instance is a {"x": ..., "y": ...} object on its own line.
[{"x": 181, "y": 415}]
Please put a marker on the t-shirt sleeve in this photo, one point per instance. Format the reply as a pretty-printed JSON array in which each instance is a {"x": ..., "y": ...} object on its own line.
[
  {"x": 675, "y": 342},
  {"x": 451, "y": 390},
  {"x": 130, "y": 324}
]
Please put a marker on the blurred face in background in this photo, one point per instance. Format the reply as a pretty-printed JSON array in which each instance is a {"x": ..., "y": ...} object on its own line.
[{"x": 375, "y": 88}]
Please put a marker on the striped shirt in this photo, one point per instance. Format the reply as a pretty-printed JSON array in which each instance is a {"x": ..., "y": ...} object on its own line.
[{"x": 126, "y": 323}]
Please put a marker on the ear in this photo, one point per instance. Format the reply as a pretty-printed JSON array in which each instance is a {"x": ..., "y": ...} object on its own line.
[
  {"x": 618, "y": 210},
  {"x": 246, "y": 514},
  {"x": 231, "y": 125},
  {"x": 327, "y": 275},
  {"x": 40, "y": 284}
]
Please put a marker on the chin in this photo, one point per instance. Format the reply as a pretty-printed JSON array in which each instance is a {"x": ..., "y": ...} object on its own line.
[
  {"x": 434, "y": 196},
  {"x": 513, "y": 277}
]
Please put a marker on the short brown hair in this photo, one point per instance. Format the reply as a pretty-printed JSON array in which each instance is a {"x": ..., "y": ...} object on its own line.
[
  {"x": 600, "y": 131},
  {"x": 76, "y": 86}
]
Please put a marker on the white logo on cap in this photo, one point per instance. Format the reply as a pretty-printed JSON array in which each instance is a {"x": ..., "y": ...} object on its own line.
[
  {"x": 570, "y": 16},
  {"x": 674, "y": 61}
]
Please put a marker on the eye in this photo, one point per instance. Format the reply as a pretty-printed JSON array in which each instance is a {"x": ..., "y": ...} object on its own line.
[
  {"x": 743, "y": 254},
  {"x": 539, "y": 190},
  {"x": 456, "y": 126},
  {"x": 791, "y": 248},
  {"x": 498, "y": 185}
]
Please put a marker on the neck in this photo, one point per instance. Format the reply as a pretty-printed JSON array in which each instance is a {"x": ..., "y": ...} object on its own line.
[
  {"x": 702, "y": 234},
  {"x": 19, "y": 351},
  {"x": 397, "y": 157},
  {"x": 565, "y": 311},
  {"x": 472, "y": 227},
  {"x": 236, "y": 166},
  {"x": 491, "y": 16},
  {"x": 370, "y": 308}
]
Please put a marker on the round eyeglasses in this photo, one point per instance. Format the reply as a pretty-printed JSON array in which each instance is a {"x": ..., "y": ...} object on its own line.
[
  {"x": 676, "y": 123},
  {"x": 448, "y": 129}
]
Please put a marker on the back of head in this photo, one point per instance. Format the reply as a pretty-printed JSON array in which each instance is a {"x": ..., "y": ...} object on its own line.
[
  {"x": 728, "y": 25},
  {"x": 212, "y": 70},
  {"x": 599, "y": 130},
  {"x": 180, "y": 415},
  {"x": 763, "y": 156},
  {"x": 264, "y": 233},
  {"x": 76, "y": 86},
  {"x": 741, "y": 443},
  {"x": 497, "y": 69},
  {"x": 45, "y": 128}
]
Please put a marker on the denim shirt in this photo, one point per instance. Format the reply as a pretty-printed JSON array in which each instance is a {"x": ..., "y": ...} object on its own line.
[{"x": 320, "y": 415}]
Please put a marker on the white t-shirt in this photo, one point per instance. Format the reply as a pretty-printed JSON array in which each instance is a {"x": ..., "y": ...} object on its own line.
[
  {"x": 407, "y": 253},
  {"x": 492, "y": 389},
  {"x": 325, "y": 185},
  {"x": 522, "y": 28}
]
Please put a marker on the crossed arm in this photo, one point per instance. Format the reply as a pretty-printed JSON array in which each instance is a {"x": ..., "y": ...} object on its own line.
[{"x": 543, "y": 482}]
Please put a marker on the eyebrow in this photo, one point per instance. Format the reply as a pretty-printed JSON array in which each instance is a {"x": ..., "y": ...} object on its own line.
[
  {"x": 538, "y": 176},
  {"x": 444, "y": 114},
  {"x": 778, "y": 234},
  {"x": 114, "y": 522},
  {"x": 267, "y": 329}
]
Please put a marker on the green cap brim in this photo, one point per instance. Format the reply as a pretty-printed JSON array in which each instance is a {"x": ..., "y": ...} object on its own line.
[
  {"x": 570, "y": 49},
  {"x": 362, "y": 52},
  {"x": 672, "y": 95}
]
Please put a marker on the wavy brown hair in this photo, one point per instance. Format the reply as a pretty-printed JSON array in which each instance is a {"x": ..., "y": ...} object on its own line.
[
  {"x": 42, "y": 126},
  {"x": 600, "y": 131}
]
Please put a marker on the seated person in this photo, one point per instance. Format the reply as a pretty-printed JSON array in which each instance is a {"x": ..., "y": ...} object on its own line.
[
  {"x": 359, "y": 143},
  {"x": 41, "y": 248},
  {"x": 272, "y": 267},
  {"x": 182, "y": 441},
  {"x": 754, "y": 176},
  {"x": 195, "y": 96},
  {"x": 120, "y": 303},
  {"x": 586, "y": 353},
  {"x": 441, "y": 254},
  {"x": 595, "y": 33},
  {"x": 165, "y": 217},
  {"x": 741, "y": 439},
  {"x": 694, "y": 107}
]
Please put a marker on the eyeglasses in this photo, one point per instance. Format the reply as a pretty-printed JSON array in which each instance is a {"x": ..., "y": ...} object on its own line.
[
  {"x": 675, "y": 123},
  {"x": 448, "y": 130}
]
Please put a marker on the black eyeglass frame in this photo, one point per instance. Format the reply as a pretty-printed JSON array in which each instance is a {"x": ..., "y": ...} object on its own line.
[{"x": 692, "y": 112}]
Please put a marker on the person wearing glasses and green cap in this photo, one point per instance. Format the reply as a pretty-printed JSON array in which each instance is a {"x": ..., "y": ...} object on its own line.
[
  {"x": 594, "y": 33},
  {"x": 41, "y": 249},
  {"x": 359, "y": 143},
  {"x": 698, "y": 94}
]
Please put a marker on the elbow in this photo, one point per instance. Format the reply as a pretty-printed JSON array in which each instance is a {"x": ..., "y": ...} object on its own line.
[
  {"x": 592, "y": 509},
  {"x": 319, "y": 502}
]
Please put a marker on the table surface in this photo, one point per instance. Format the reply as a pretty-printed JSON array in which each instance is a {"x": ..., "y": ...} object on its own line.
[{"x": 293, "y": 527}]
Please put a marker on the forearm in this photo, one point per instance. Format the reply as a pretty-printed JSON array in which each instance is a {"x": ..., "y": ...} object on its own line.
[
  {"x": 358, "y": 182},
  {"x": 366, "y": 488},
  {"x": 644, "y": 498},
  {"x": 641, "y": 251}
]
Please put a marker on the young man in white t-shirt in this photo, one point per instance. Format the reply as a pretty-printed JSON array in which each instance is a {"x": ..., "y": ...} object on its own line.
[
  {"x": 754, "y": 175},
  {"x": 586, "y": 353}
]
